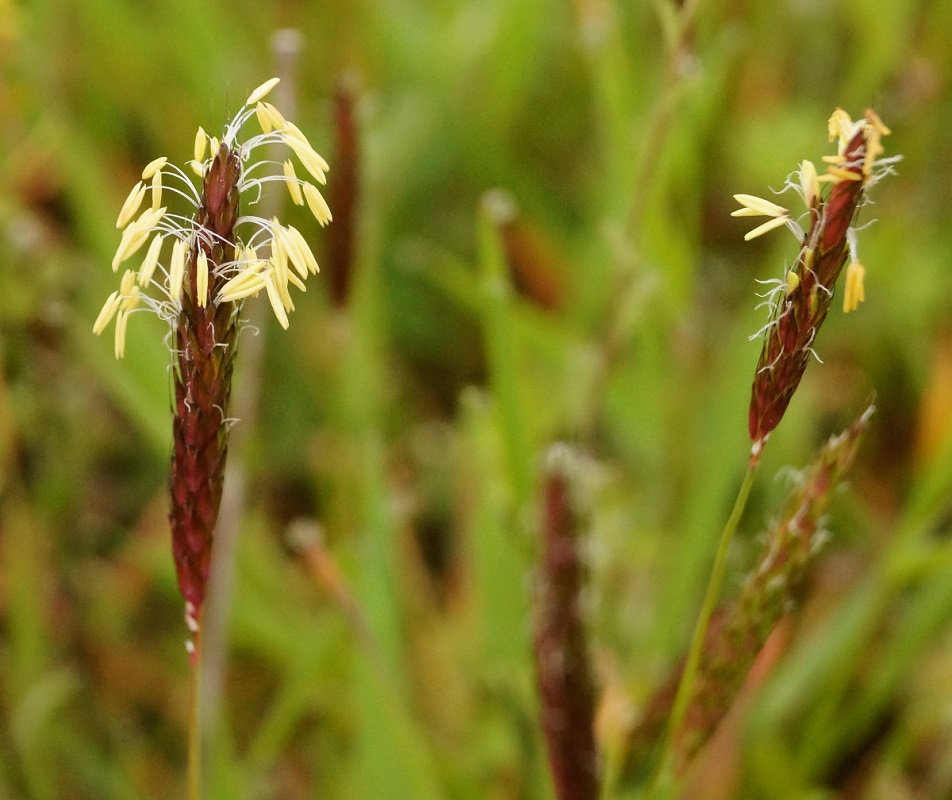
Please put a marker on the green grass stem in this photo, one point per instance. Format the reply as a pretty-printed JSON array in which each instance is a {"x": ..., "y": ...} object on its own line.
[
  {"x": 194, "y": 724},
  {"x": 711, "y": 595}
]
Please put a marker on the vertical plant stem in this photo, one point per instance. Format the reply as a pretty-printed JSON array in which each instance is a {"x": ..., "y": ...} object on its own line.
[
  {"x": 504, "y": 366},
  {"x": 714, "y": 585},
  {"x": 641, "y": 173},
  {"x": 194, "y": 722}
]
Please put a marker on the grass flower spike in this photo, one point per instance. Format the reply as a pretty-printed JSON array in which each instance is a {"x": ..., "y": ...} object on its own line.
[
  {"x": 198, "y": 269},
  {"x": 564, "y": 672},
  {"x": 800, "y": 302}
]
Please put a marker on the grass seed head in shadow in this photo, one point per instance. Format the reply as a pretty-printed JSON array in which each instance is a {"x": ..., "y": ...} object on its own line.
[
  {"x": 801, "y": 300},
  {"x": 563, "y": 666},
  {"x": 196, "y": 273}
]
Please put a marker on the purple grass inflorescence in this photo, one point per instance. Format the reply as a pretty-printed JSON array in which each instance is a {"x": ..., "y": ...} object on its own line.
[
  {"x": 801, "y": 300},
  {"x": 216, "y": 258}
]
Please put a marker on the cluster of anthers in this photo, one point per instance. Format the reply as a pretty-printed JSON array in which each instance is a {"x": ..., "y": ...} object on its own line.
[
  {"x": 807, "y": 183},
  {"x": 157, "y": 285}
]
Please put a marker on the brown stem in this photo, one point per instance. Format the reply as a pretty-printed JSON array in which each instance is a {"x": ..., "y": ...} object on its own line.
[{"x": 343, "y": 192}]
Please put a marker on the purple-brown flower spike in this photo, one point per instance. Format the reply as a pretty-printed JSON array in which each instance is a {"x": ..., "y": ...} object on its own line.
[
  {"x": 212, "y": 265},
  {"x": 800, "y": 301},
  {"x": 563, "y": 665}
]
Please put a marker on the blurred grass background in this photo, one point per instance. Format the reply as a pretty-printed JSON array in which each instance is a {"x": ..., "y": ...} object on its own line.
[{"x": 542, "y": 250}]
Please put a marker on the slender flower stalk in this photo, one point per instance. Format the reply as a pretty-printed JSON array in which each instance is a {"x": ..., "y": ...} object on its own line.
[
  {"x": 800, "y": 301},
  {"x": 685, "y": 686},
  {"x": 197, "y": 271}
]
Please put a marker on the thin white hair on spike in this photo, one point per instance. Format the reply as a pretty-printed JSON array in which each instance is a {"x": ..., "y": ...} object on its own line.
[
  {"x": 229, "y": 422},
  {"x": 770, "y": 367},
  {"x": 794, "y": 227},
  {"x": 763, "y": 330},
  {"x": 865, "y": 225},
  {"x": 256, "y": 185},
  {"x": 250, "y": 326}
]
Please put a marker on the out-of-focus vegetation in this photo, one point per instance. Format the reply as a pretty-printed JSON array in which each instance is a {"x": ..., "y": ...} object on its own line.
[{"x": 541, "y": 250}]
